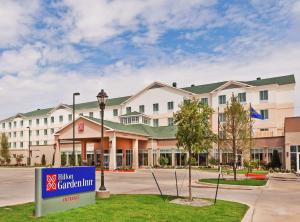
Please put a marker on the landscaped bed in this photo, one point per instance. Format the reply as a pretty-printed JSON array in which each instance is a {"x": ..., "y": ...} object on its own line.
[
  {"x": 132, "y": 208},
  {"x": 244, "y": 182}
]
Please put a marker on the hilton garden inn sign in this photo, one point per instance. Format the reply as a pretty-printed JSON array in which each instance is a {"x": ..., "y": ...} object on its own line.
[{"x": 59, "y": 189}]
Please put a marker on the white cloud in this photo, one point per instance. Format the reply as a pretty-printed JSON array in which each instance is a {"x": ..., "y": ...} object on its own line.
[
  {"x": 16, "y": 20},
  {"x": 95, "y": 21},
  {"x": 22, "y": 61}
]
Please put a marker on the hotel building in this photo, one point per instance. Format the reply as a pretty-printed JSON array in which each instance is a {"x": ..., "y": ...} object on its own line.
[{"x": 139, "y": 129}]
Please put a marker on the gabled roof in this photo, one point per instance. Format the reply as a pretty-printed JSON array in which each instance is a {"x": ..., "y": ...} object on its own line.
[
  {"x": 157, "y": 85},
  {"x": 59, "y": 107},
  {"x": 231, "y": 84},
  {"x": 134, "y": 113},
  {"x": 162, "y": 132},
  {"x": 206, "y": 88}
]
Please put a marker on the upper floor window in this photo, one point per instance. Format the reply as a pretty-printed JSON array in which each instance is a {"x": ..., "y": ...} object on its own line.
[
  {"x": 155, "y": 122},
  {"x": 263, "y": 95},
  {"x": 45, "y": 121},
  {"x": 242, "y": 97},
  {"x": 21, "y": 133},
  {"x": 141, "y": 108},
  {"x": 128, "y": 109},
  {"x": 52, "y": 130},
  {"x": 9, "y": 135},
  {"x": 30, "y": 122},
  {"x": 70, "y": 117},
  {"x": 37, "y": 121},
  {"x": 222, "y": 117},
  {"x": 45, "y": 132},
  {"x": 222, "y": 99},
  {"x": 21, "y": 144},
  {"x": 204, "y": 101},
  {"x": 91, "y": 114},
  {"x": 80, "y": 114},
  {"x": 170, "y": 105},
  {"x": 37, "y": 143},
  {"x": 265, "y": 113},
  {"x": 9, "y": 125},
  {"x": 21, "y": 123},
  {"x": 14, "y": 144},
  {"x": 45, "y": 142},
  {"x": 155, "y": 107},
  {"x": 170, "y": 121},
  {"x": 3, "y": 125},
  {"x": 15, "y": 134},
  {"x": 37, "y": 132},
  {"x": 115, "y": 112},
  {"x": 52, "y": 119},
  {"x": 61, "y": 119},
  {"x": 15, "y": 123}
]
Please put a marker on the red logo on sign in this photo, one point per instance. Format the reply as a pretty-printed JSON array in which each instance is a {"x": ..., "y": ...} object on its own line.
[
  {"x": 51, "y": 182},
  {"x": 81, "y": 127}
]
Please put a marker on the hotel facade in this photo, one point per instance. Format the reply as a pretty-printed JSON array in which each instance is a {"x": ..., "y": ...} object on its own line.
[{"x": 139, "y": 129}]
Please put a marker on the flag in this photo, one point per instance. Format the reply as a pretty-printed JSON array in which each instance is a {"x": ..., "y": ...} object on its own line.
[{"x": 255, "y": 114}]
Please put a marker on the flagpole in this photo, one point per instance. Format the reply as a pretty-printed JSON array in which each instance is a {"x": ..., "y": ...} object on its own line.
[
  {"x": 219, "y": 157},
  {"x": 251, "y": 128}
]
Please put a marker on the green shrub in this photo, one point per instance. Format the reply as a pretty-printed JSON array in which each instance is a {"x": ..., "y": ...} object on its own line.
[
  {"x": 63, "y": 159},
  {"x": 194, "y": 161},
  {"x": 79, "y": 160},
  {"x": 213, "y": 161},
  {"x": 163, "y": 161}
]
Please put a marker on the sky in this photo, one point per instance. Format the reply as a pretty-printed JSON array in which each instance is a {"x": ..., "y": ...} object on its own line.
[{"x": 50, "y": 49}]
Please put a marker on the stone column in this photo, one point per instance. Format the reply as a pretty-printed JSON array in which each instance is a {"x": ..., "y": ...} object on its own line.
[
  {"x": 157, "y": 157},
  {"x": 68, "y": 160},
  {"x": 57, "y": 157},
  {"x": 113, "y": 153},
  {"x": 150, "y": 157},
  {"x": 173, "y": 157},
  {"x": 135, "y": 154},
  {"x": 83, "y": 152}
]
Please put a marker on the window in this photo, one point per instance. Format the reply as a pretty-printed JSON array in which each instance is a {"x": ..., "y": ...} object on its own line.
[
  {"x": 222, "y": 135},
  {"x": 45, "y": 132},
  {"x": 21, "y": 133},
  {"x": 142, "y": 108},
  {"x": 52, "y": 131},
  {"x": 265, "y": 113},
  {"x": 264, "y": 129},
  {"x": 45, "y": 142},
  {"x": 155, "y": 122},
  {"x": 15, "y": 124},
  {"x": 170, "y": 105},
  {"x": 155, "y": 107},
  {"x": 91, "y": 114},
  {"x": 37, "y": 121},
  {"x": 30, "y": 122},
  {"x": 14, "y": 144},
  {"x": 264, "y": 95},
  {"x": 9, "y": 135},
  {"x": 242, "y": 97},
  {"x": 128, "y": 109},
  {"x": 3, "y": 125},
  {"x": 204, "y": 101},
  {"x": 257, "y": 154},
  {"x": 170, "y": 121},
  {"x": 70, "y": 117},
  {"x": 37, "y": 143},
  {"x": 45, "y": 121},
  {"x": 61, "y": 119},
  {"x": 222, "y": 117},
  {"x": 222, "y": 99},
  {"x": 21, "y": 123},
  {"x": 21, "y": 144},
  {"x": 9, "y": 125},
  {"x": 52, "y": 119},
  {"x": 115, "y": 112},
  {"x": 15, "y": 134},
  {"x": 80, "y": 114},
  {"x": 37, "y": 132}
]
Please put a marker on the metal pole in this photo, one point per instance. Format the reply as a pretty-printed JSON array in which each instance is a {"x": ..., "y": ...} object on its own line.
[
  {"x": 29, "y": 149},
  {"x": 102, "y": 187},
  {"x": 217, "y": 187},
  {"x": 219, "y": 155},
  {"x": 176, "y": 183},
  {"x": 73, "y": 154},
  {"x": 162, "y": 197}
]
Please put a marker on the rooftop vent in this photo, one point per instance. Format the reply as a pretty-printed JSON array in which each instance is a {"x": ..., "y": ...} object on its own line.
[
  {"x": 38, "y": 109},
  {"x": 174, "y": 84},
  {"x": 192, "y": 85},
  {"x": 258, "y": 78}
]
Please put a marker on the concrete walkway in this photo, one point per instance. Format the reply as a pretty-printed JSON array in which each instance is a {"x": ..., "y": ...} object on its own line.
[{"x": 277, "y": 202}]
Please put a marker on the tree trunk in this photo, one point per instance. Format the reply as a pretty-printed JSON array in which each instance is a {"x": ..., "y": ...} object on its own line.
[{"x": 190, "y": 175}]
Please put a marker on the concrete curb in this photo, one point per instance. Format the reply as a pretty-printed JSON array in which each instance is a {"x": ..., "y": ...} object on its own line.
[
  {"x": 238, "y": 187},
  {"x": 249, "y": 214}
]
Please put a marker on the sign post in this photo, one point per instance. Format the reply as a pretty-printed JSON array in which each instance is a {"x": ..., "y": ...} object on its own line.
[{"x": 60, "y": 189}]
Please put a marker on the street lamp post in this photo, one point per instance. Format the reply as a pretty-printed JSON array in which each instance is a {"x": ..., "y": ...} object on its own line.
[
  {"x": 29, "y": 146},
  {"x": 102, "y": 98},
  {"x": 73, "y": 154}
]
